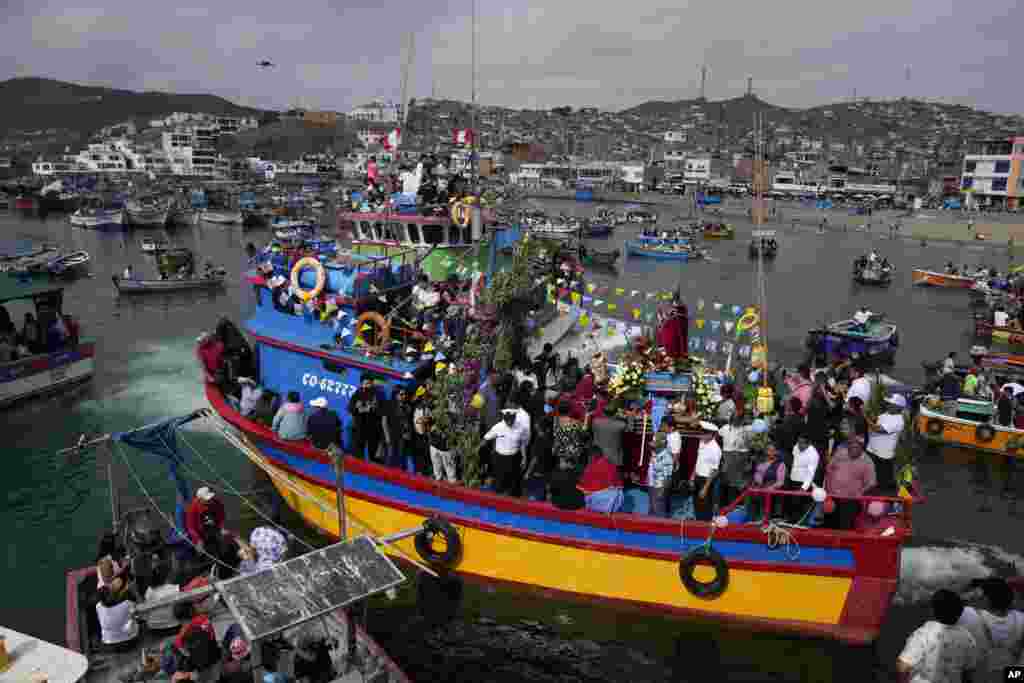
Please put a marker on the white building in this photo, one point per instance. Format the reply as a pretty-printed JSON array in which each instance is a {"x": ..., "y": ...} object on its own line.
[
  {"x": 673, "y": 136},
  {"x": 376, "y": 112},
  {"x": 191, "y": 151},
  {"x": 993, "y": 173},
  {"x": 697, "y": 170}
]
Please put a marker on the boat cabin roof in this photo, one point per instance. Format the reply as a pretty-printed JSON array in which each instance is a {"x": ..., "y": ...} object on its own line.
[{"x": 13, "y": 288}]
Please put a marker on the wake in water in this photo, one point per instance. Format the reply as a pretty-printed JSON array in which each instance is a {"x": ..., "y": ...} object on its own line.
[{"x": 926, "y": 569}]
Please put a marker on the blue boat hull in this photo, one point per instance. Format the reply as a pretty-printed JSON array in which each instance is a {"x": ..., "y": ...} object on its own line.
[
  {"x": 633, "y": 249},
  {"x": 599, "y": 230},
  {"x": 831, "y": 344}
]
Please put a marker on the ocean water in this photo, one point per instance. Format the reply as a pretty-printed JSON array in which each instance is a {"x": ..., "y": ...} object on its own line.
[{"x": 57, "y": 507}]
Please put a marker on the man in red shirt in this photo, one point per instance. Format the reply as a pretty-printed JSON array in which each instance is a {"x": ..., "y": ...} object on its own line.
[
  {"x": 204, "y": 516},
  {"x": 210, "y": 350}
]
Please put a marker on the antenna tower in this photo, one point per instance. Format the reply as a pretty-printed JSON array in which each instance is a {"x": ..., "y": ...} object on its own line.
[{"x": 703, "y": 79}]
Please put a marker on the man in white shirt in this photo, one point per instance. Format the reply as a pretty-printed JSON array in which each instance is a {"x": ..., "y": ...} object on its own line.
[
  {"x": 424, "y": 297},
  {"x": 674, "y": 439},
  {"x": 883, "y": 439},
  {"x": 801, "y": 476},
  {"x": 1014, "y": 387},
  {"x": 705, "y": 471},
  {"x": 949, "y": 365},
  {"x": 1001, "y": 318},
  {"x": 859, "y": 387},
  {"x": 509, "y": 451},
  {"x": 939, "y": 651}
]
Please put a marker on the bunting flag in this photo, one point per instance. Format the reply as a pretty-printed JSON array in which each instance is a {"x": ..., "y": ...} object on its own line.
[
  {"x": 393, "y": 140},
  {"x": 463, "y": 136}
]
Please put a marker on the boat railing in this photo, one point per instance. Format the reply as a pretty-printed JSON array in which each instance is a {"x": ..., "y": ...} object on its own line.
[{"x": 769, "y": 498}]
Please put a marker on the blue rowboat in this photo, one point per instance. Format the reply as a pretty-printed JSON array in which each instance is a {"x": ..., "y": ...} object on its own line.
[{"x": 655, "y": 252}]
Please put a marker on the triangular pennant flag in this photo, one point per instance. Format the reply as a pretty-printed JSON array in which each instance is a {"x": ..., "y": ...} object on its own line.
[
  {"x": 587, "y": 300},
  {"x": 383, "y": 297},
  {"x": 636, "y": 314},
  {"x": 428, "y": 347},
  {"x": 634, "y": 293},
  {"x": 695, "y": 343},
  {"x": 575, "y": 297},
  {"x": 598, "y": 302},
  {"x": 358, "y": 341},
  {"x": 700, "y": 304},
  {"x": 650, "y": 295},
  {"x": 347, "y": 332},
  {"x": 591, "y": 288},
  {"x": 729, "y": 326},
  {"x": 584, "y": 320},
  {"x": 718, "y": 306},
  {"x": 365, "y": 328},
  {"x": 650, "y": 317},
  {"x": 715, "y": 324},
  {"x": 700, "y": 323},
  {"x": 736, "y": 310},
  {"x": 619, "y": 291},
  {"x": 612, "y": 307}
]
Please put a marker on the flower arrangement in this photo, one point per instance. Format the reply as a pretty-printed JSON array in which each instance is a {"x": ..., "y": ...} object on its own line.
[
  {"x": 628, "y": 379},
  {"x": 704, "y": 394}
]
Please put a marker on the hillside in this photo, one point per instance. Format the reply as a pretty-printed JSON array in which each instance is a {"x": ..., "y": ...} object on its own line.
[{"x": 41, "y": 103}]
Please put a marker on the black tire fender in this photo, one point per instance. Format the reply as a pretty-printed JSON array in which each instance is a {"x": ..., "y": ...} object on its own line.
[
  {"x": 985, "y": 433},
  {"x": 710, "y": 589},
  {"x": 424, "y": 541},
  {"x": 934, "y": 427}
]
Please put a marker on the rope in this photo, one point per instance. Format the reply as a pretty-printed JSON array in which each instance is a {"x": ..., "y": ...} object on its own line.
[
  {"x": 780, "y": 536},
  {"x": 257, "y": 459},
  {"x": 245, "y": 500},
  {"x": 170, "y": 522}
]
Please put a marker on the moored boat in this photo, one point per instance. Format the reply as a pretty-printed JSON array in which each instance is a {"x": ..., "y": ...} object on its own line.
[
  {"x": 600, "y": 258},
  {"x": 877, "y": 274},
  {"x": 44, "y": 371},
  {"x": 986, "y": 329},
  {"x": 641, "y": 216},
  {"x": 220, "y": 216},
  {"x": 935, "y": 279},
  {"x": 146, "y": 213},
  {"x": 718, "y": 231},
  {"x": 598, "y": 229},
  {"x": 95, "y": 216},
  {"x": 71, "y": 264},
  {"x": 213, "y": 280},
  {"x": 151, "y": 246}
]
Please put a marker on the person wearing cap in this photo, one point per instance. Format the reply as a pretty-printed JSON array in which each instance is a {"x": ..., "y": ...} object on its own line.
[
  {"x": 510, "y": 442},
  {"x": 882, "y": 440},
  {"x": 204, "y": 517},
  {"x": 323, "y": 426},
  {"x": 367, "y": 428},
  {"x": 860, "y": 386},
  {"x": 250, "y": 396},
  {"x": 705, "y": 472}
]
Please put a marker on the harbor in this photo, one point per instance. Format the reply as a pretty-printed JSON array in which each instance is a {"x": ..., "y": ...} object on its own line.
[{"x": 147, "y": 372}]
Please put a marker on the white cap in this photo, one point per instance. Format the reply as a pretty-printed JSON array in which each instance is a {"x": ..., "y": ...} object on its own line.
[
  {"x": 204, "y": 494},
  {"x": 319, "y": 402},
  {"x": 246, "y": 380},
  {"x": 897, "y": 400},
  {"x": 709, "y": 427}
]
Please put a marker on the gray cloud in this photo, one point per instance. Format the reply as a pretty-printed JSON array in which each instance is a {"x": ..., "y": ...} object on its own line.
[{"x": 531, "y": 53}]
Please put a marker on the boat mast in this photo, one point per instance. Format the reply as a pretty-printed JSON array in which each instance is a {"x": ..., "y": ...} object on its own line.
[
  {"x": 475, "y": 169},
  {"x": 760, "y": 178}
]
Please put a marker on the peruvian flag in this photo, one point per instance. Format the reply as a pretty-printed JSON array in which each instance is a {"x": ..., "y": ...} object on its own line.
[
  {"x": 463, "y": 136},
  {"x": 393, "y": 140}
]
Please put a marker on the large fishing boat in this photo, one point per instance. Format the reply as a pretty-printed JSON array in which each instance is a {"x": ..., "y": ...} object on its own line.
[
  {"x": 53, "y": 366},
  {"x": 838, "y": 585},
  {"x": 935, "y": 279},
  {"x": 96, "y": 216},
  {"x": 970, "y": 424}
]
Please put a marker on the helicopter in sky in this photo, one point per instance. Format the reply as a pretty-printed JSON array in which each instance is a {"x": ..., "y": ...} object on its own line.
[{"x": 265, "y": 64}]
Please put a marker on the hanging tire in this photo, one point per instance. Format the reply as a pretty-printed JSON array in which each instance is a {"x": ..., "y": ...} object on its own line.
[
  {"x": 704, "y": 589},
  {"x": 934, "y": 427},
  {"x": 984, "y": 433},
  {"x": 425, "y": 542}
]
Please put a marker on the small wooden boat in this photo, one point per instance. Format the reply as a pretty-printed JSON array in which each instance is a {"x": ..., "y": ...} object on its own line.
[
  {"x": 555, "y": 230},
  {"x": 663, "y": 252},
  {"x": 595, "y": 257},
  {"x": 718, "y": 231},
  {"x": 872, "y": 274},
  {"x": 220, "y": 216},
  {"x": 70, "y": 264},
  {"x": 875, "y": 344},
  {"x": 985, "y": 328},
  {"x": 152, "y": 246},
  {"x": 971, "y": 427},
  {"x": 641, "y": 216},
  {"x": 598, "y": 229},
  {"x": 174, "y": 258},
  {"x": 214, "y": 281},
  {"x": 147, "y": 213},
  {"x": 98, "y": 218},
  {"x": 935, "y": 279}
]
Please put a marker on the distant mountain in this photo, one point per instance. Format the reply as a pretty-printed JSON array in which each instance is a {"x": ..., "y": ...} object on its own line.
[{"x": 42, "y": 103}]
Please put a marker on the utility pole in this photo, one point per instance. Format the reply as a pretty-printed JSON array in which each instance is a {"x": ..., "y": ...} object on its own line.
[
  {"x": 750, "y": 86},
  {"x": 703, "y": 80}
]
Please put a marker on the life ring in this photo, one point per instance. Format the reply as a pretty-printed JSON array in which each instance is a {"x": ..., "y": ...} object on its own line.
[
  {"x": 704, "y": 589},
  {"x": 461, "y": 214},
  {"x": 984, "y": 433},
  {"x": 321, "y": 278},
  {"x": 435, "y": 526},
  {"x": 383, "y": 330},
  {"x": 747, "y": 321},
  {"x": 934, "y": 427}
]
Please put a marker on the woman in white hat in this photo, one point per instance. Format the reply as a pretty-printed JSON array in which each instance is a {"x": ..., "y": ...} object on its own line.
[{"x": 702, "y": 480}]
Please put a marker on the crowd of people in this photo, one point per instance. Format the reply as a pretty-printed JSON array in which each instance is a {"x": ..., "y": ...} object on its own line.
[
  {"x": 44, "y": 334},
  {"x": 428, "y": 181}
]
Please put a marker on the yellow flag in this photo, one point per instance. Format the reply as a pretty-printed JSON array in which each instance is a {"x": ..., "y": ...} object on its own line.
[
  {"x": 620, "y": 291},
  {"x": 428, "y": 347},
  {"x": 575, "y": 296},
  {"x": 612, "y": 307},
  {"x": 636, "y": 314},
  {"x": 590, "y": 288},
  {"x": 365, "y": 328},
  {"x": 584, "y": 320}
]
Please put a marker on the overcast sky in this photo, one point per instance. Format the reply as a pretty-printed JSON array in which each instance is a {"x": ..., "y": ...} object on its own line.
[{"x": 531, "y": 54}]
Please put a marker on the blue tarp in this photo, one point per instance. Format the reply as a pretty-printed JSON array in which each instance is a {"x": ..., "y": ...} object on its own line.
[
  {"x": 160, "y": 440},
  {"x": 951, "y": 203}
]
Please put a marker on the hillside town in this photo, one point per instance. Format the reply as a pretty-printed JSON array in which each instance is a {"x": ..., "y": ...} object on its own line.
[{"x": 904, "y": 147}]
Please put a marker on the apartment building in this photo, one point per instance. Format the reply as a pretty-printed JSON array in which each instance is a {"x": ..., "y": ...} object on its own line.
[{"x": 992, "y": 174}]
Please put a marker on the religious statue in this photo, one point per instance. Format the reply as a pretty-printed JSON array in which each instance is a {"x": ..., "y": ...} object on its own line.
[{"x": 673, "y": 328}]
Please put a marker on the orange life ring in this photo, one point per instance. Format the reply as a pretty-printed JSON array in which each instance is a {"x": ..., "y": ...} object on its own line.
[
  {"x": 461, "y": 214},
  {"x": 321, "y": 278},
  {"x": 934, "y": 427},
  {"x": 383, "y": 331}
]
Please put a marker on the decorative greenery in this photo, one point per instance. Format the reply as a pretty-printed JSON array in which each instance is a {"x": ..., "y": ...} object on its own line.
[
  {"x": 508, "y": 285},
  {"x": 628, "y": 379},
  {"x": 703, "y": 392}
]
